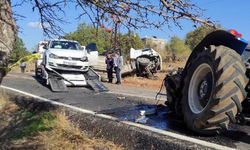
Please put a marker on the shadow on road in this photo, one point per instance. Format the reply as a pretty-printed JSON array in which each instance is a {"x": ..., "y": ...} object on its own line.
[{"x": 41, "y": 81}]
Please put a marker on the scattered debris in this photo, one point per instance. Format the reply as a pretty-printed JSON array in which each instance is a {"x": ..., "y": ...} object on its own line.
[
  {"x": 142, "y": 112},
  {"x": 148, "y": 111},
  {"x": 141, "y": 119},
  {"x": 104, "y": 78},
  {"x": 145, "y": 112},
  {"x": 121, "y": 97}
]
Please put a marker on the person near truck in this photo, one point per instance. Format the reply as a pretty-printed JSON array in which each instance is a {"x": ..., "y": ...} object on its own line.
[
  {"x": 23, "y": 66},
  {"x": 118, "y": 67},
  {"x": 110, "y": 65}
]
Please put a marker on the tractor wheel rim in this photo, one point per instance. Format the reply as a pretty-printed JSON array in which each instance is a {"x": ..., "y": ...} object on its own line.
[{"x": 199, "y": 89}]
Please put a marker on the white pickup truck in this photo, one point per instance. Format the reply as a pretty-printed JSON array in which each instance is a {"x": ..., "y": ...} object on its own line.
[{"x": 147, "y": 62}]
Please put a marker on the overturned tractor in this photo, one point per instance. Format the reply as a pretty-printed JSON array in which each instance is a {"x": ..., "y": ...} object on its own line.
[{"x": 213, "y": 88}]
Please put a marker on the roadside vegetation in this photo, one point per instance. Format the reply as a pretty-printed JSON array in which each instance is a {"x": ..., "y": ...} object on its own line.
[
  {"x": 87, "y": 33},
  {"x": 23, "y": 129},
  {"x": 19, "y": 50}
]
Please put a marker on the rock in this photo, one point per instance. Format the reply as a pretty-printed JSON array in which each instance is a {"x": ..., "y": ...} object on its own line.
[{"x": 121, "y": 97}]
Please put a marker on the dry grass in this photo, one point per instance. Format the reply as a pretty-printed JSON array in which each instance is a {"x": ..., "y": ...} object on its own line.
[
  {"x": 4, "y": 100},
  {"x": 22, "y": 129},
  {"x": 144, "y": 82},
  {"x": 65, "y": 136},
  {"x": 175, "y": 64},
  {"x": 150, "y": 83},
  {"x": 3, "y": 97}
]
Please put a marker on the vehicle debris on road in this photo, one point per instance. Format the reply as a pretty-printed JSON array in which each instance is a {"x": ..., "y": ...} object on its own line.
[
  {"x": 121, "y": 97},
  {"x": 141, "y": 119},
  {"x": 145, "y": 112},
  {"x": 148, "y": 111}
]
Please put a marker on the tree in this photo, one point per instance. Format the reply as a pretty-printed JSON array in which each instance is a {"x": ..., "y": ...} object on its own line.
[
  {"x": 99, "y": 11},
  {"x": 128, "y": 41},
  {"x": 193, "y": 38},
  {"x": 19, "y": 50},
  {"x": 8, "y": 33},
  {"x": 86, "y": 33},
  {"x": 168, "y": 11},
  {"x": 177, "y": 48}
]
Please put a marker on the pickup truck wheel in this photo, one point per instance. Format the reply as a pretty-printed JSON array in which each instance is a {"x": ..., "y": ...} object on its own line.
[
  {"x": 143, "y": 61},
  {"x": 36, "y": 72},
  {"x": 214, "y": 88}
]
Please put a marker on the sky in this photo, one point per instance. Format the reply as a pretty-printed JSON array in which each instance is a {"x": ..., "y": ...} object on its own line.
[{"x": 231, "y": 14}]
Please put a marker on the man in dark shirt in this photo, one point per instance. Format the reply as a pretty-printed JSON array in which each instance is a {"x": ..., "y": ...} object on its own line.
[{"x": 110, "y": 64}]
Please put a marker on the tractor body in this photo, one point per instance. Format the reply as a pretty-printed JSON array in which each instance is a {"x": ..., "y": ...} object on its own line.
[{"x": 212, "y": 90}]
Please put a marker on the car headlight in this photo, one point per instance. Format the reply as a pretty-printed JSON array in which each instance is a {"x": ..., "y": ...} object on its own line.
[
  {"x": 84, "y": 58},
  {"x": 53, "y": 56}
]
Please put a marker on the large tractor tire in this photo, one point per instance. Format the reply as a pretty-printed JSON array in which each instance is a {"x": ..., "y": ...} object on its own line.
[{"x": 214, "y": 88}]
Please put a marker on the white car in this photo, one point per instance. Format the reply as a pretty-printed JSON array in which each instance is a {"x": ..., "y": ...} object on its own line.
[{"x": 67, "y": 55}]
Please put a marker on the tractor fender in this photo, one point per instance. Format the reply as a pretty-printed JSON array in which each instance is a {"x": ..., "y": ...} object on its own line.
[{"x": 219, "y": 37}]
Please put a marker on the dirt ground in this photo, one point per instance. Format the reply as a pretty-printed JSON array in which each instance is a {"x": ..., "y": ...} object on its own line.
[{"x": 150, "y": 83}]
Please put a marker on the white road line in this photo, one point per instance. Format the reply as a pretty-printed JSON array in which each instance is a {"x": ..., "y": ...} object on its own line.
[{"x": 167, "y": 133}]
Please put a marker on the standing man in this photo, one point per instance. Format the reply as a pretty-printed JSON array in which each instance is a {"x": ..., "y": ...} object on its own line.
[
  {"x": 23, "y": 66},
  {"x": 110, "y": 65},
  {"x": 118, "y": 67}
]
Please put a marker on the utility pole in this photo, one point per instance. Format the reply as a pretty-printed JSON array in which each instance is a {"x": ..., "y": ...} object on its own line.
[{"x": 114, "y": 37}]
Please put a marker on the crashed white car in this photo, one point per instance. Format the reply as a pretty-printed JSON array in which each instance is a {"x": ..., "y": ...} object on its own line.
[
  {"x": 68, "y": 55},
  {"x": 68, "y": 61}
]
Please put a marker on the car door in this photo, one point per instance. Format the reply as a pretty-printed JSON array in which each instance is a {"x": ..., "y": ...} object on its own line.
[{"x": 92, "y": 54}]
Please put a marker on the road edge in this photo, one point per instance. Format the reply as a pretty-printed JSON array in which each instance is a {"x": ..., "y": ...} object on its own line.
[{"x": 164, "y": 138}]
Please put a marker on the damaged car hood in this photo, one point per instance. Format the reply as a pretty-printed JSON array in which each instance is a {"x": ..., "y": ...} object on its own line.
[{"x": 68, "y": 53}]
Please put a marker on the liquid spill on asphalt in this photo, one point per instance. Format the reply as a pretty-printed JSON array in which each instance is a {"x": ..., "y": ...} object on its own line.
[{"x": 158, "y": 120}]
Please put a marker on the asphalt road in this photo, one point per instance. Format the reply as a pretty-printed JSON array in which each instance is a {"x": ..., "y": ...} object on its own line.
[{"x": 127, "y": 109}]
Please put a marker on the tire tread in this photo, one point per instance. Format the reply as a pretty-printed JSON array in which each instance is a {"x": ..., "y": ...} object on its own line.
[{"x": 229, "y": 93}]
